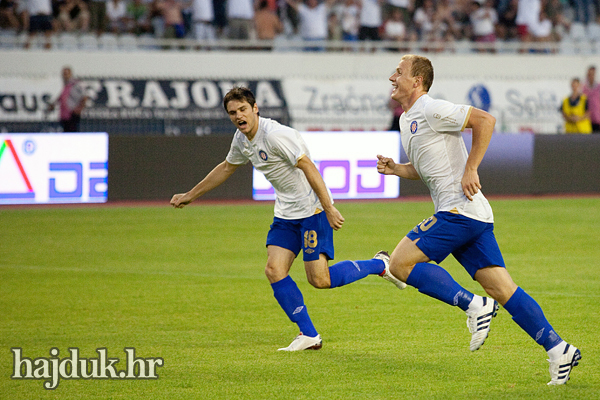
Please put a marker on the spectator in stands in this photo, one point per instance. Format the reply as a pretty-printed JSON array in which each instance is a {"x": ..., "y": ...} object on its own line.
[
  {"x": 423, "y": 20},
  {"x": 240, "y": 19},
  {"x": 138, "y": 17},
  {"x": 582, "y": 9},
  {"x": 556, "y": 12},
  {"x": 203, "y": 17},
  {"x": 404, "y": 6},
  {"x": 313, "y": 21},
  {"x": 591, "y": 89},
  {"x": 443, "y": 21},
  {"x": 575, "y": 110},
  {"x": 542, "y": 32},
  {"x": 334, "y": 29},
  {"x": 371, "y": 20},
  {"x": 40, "y": 20},
  {"x": 116, "y": 13},
  {"x": 8, "y": 15},
  {"x": 171, "y": 11},
  {"x": 98, "y": 15},
  {"x": 74, "y": 15},
  {"x": 349, "y": 15},
  {"x": 22, "y": 15},
  {"x": 507, "y": 16},
  {"x": 483, "y": 22},
  {"x": 267, "y": 23},
  {"x": 462, "y": 22},
  {"x": 394, "y": 29},
  {"x": 528, "y": 17},
  {"x": 71, "y": 102}
]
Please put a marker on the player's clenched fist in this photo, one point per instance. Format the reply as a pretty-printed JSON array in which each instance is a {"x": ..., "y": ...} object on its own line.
[
  {"x": 385, "y": 165},
  {"x": 176, "y": 201}
]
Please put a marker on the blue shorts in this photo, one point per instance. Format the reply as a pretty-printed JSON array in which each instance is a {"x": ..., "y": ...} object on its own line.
[
  {"x": 313, "y": 235},
  {"x": 471, "y": 242}
]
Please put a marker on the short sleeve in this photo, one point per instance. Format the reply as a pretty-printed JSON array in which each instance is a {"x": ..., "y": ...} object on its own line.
[
  {"x": 235, "y": 155},
  {"x": 445, "y": 117},
  {"x": 288, "y": 144}
]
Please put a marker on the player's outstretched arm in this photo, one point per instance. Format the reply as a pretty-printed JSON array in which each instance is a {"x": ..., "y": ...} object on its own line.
[
  {"x": 217, "y": 176},
  {"x": 335, "y": 218},
  {"x": 387, "y": 166}
]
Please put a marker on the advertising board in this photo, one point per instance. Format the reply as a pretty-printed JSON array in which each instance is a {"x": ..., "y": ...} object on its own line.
[
  {"x": 347, "y": 161},
  {"x": 53, "y": 168}
]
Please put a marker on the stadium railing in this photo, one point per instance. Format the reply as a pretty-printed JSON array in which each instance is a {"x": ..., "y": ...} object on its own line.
[{"x": 569, "y": 44}]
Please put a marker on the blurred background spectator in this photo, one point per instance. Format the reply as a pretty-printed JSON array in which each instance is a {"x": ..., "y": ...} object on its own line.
[
  {"x": 267, "y": 23},
  {"x": 395, "y": 29},
  {"x": 203, "y": 18},
  {"x": 8, "y": 15},
  {"x": 40, "y": 21},
  {"x": 348, "y": 13},
  {"x": 313, "y": 21},
  {"x": 171, "y": 12},
  {"x": 74, "y": 15},
  {"x": 138, "y": 17},
  {"x": 371, "y": 20},
  {"x": 116, "y": 14},
  {"x": 240, "y": 19},
  {"x": 97, "y": 15},
  {"x": 484, "y": 19}
]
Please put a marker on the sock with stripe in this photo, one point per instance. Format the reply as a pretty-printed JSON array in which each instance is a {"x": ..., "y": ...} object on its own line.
[
  {"x": 291, "y": 300},
  {"x": 346, "y": 272},
  {"x": 527, "y": 313},
  {"x": 436, "y": 282}
]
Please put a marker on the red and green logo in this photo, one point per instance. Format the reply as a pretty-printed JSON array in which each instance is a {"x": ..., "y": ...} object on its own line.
[{"x": 7, "y": 144}]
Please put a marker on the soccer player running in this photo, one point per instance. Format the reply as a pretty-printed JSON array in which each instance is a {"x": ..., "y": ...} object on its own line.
[
  {"x": 305, "y": 216},
  {"x": 463, "y": 221}
]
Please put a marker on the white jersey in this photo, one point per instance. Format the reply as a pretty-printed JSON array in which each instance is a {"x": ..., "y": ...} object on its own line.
[
  {"x": 275, "y": 151},
  {"x": 431, "y": 137}
]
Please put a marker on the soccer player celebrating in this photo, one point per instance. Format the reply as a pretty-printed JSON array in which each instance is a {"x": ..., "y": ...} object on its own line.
[
  {"x": 463, "y": 221},
  {"x": 305, "y": 216}
]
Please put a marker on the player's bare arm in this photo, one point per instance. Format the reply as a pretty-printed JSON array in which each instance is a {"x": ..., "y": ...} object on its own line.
[
  {"x": 387, "y": 166},
  {"x": 482, "y": 124},
  {"x": 335, "y": 218},
  {"x": 216, "y": 177}
]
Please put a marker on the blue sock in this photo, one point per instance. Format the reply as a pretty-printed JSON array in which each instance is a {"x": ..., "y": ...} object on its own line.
[
  {"x": 290, "y": 299},
  {"x": 436, "y": 282},
  {"x": 527, "y": 313},
  {"x": 346, "y": 272}
]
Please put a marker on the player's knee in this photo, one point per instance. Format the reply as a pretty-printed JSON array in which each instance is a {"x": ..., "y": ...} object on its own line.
[
  {"x": 400, "y": 270},
  {"x": 274, "y": 274}
]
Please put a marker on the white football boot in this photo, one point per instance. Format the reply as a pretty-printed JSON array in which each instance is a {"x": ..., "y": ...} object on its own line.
[
  {"x": 479, "y": 323},
  {"x": 303, "y": 342},
  {"x": 561, "y": 367},
  {"x": 386, "y": 274}
]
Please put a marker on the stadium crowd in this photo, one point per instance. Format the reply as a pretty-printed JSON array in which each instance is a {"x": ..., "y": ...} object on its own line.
[{"x": 481, "y": 21}]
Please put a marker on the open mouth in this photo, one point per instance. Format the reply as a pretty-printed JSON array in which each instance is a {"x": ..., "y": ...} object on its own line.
[{"x": 242, "y": 124}]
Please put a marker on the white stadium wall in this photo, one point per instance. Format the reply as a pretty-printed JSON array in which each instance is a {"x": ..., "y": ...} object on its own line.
[{"x": 345, "y": 91}]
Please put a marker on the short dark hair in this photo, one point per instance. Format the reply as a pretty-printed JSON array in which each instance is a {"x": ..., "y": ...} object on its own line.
[{"x": 239, "y": 93}]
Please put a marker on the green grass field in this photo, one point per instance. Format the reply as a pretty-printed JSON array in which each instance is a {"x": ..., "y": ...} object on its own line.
[{"x": 188, "y": 286}]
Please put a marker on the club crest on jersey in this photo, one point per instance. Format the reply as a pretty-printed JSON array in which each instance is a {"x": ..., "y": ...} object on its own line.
[
  {"x": 413, "y": 127},
  {"x": 263, "y": 155}
]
